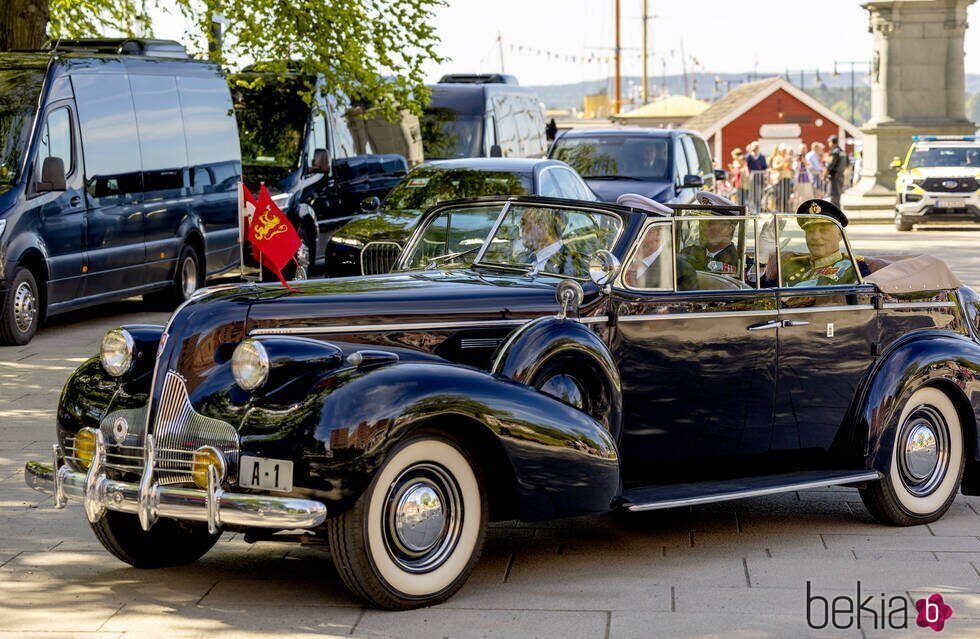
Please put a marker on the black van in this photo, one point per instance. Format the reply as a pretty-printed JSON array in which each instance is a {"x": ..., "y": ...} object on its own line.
[
  {"x": 119, "y": 162},
  {"x": 317, "y": 171},
  {"x": 473, "y": 116}
]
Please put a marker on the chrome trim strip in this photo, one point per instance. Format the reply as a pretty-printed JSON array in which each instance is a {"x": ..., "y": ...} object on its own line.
[
  {"x": 719, "y": 314},
  {"x": 872, "y": 475},
  {"x": 354, "y": 328},
  {"x": 947, "y": 304},
  {"x": 596, "y": 319},
  {"x": 826, "y": 309}
]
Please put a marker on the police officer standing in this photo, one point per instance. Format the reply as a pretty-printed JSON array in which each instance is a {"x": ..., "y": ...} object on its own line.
[{"x": 834, "y": 172}]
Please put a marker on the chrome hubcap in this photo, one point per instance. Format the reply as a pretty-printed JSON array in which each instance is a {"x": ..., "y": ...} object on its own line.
[
  {"x": 302, "y": 261},
  {"x": 25, "y": 307},
  {"x": 423, "y": 518},
  {"x": 188, "y": 277},
  {"x": 923, "y": 458}
]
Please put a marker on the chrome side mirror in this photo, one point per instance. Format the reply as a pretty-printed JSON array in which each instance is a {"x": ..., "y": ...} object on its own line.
[
  {"x": 569, "y": 293},
  {"x": 604, "y": 267}
]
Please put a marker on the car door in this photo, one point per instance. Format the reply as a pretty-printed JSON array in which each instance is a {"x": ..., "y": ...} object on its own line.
[
  {"x": 115, "y": 255},
  {"x": 697, "y": 359},
  {"x": 828, "y": 329},
  {"x": 61, "y": 215}
]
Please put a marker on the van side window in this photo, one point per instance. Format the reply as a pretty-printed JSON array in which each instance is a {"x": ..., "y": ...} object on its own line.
[
  {"x": 704, "y": 158},
  {"x": 343, "y": 141},
  {"x": 110, "y": 144},
  {"x": 692, "y": 156},
  {"x": 56, "y": 139},
  {"x": 158, "y": 119},
  {"x": 680, "y": 162},
  {"x": 317, "y": 138},
  {"x": 209, "y": 118}
]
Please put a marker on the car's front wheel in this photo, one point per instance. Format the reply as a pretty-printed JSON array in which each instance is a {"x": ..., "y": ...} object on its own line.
[
  {"x": 414, "y": 536},
  {"x": 168, "y": 543},
  {"x": 901, "y": 224},
  {"x": 926, "y": 463}
]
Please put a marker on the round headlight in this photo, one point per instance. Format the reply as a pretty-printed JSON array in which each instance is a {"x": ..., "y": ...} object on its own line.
[
  {"x": 250, "y": 364},
  {"x": 204, "y": 457},
  {"x": 117, "y": 352},
  {"x": 85, "y": 446}
]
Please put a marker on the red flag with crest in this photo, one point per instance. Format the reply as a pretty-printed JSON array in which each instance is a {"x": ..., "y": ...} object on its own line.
[{"x": 272, "y": 236}]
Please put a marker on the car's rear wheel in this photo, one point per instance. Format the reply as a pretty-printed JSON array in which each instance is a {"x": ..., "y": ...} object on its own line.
[
  {"x": 416, "y": 533},
  {"x": 926, "y": 463},
  {"x": 168, "y": 543},
  {"x": 21, "y": 311}
]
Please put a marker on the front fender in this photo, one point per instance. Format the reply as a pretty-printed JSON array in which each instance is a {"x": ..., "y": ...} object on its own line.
[
  {"x": 948, "y": 361},
  {"x": 559, "y": 461}
]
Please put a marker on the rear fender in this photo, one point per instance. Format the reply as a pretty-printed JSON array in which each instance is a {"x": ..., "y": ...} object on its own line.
[
  {"x": 947, "y": 361},
  {"x": 559, "y": 461}
]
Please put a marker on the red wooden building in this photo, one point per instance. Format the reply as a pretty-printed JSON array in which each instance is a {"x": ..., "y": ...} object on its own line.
[{"x": 772, "y": 111}]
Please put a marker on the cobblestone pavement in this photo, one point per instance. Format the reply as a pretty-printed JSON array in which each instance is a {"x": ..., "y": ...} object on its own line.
[{"x": 738, "y": 569}]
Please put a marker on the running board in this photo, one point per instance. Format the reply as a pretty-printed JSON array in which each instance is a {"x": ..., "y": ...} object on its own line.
[{"x": 706, "y": 492}]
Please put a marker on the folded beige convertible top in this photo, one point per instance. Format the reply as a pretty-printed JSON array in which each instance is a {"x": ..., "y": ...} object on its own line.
[{"x": 919, "y": 273}]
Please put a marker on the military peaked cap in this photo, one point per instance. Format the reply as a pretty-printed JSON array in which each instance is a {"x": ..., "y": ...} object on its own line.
[{"x": 817, "y": 206}]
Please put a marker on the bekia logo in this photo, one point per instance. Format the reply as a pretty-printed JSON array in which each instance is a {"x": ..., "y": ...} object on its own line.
[
  {"x": 879, "y": 612},
  {"x": 933, "y": 612}
]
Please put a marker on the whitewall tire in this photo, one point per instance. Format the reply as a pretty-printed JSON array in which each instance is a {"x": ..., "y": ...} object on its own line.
[
  {"x": 926, "y": 463},
  {"x": 416, "y": 533}
]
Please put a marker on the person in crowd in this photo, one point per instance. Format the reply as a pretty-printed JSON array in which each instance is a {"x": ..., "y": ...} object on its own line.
[
  {"x": 802, "y": 184},
  {"x": 544, "y": 250},
  {"x": 756, "y": 164},
  {"x": 834, "y": 170},
  {"x": 782, "y": 175},
  {"x": 814, "y": 162},
  {"x": 738, "y": 173},
  {"x": 551, "y": 130}
]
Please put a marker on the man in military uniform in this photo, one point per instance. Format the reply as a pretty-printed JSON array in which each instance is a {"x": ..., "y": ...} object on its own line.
[
  {"x": 541, "y": 231},
  {"x": 825, "y": 264},
  {"x": 715, "y": 250}
]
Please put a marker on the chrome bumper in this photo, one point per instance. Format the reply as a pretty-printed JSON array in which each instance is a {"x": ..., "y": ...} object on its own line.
[{"x": 149, "y": 500}]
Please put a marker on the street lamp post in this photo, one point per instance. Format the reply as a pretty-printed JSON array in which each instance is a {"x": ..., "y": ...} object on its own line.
[{"x": 836, "y": 74}]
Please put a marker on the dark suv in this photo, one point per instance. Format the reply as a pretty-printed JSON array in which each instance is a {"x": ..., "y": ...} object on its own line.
[
  {"x": 119, "y": 165},
  {"x": 664, "y": 165}
]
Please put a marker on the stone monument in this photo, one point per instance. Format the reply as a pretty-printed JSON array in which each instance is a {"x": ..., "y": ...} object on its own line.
[{"x": 917, "y": 88}]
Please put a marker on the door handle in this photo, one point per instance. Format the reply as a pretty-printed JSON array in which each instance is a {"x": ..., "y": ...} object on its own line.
[
  {"x": 764, "y": 325},
  {"x": 791, "y": 323},
  {"x": 75, "y": 201}
]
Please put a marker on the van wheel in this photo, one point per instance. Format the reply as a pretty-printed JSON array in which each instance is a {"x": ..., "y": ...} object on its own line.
[
  {"x": 926, "y": 463},
  {"x": 415, "y": 534},
  {"x": 21, "y": 312},
  {"x": 188, "y": 277}
]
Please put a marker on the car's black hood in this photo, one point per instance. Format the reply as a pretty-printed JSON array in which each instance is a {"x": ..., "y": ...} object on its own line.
[
  {"x": 393, "y": 225},
  {"x": 609, "y": 190},
  {"x": 404, "y": 298}
]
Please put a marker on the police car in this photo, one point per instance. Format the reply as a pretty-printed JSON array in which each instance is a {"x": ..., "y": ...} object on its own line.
[{"x": 939, "y": 181}]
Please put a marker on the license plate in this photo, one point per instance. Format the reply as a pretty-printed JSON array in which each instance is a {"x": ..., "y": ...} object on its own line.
[
  {"x": 948, "y": 203},
  {"x": 265, "y": 473}
]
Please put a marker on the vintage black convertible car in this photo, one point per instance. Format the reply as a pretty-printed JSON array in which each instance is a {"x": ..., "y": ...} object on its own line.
[{"x": 575, "y": 358}]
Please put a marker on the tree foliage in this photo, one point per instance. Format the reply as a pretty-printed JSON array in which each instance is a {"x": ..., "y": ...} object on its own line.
[{"x": 371, "y": 51}]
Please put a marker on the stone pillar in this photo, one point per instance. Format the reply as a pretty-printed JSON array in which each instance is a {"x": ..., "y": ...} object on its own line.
[{"x": 917, "y": 88}]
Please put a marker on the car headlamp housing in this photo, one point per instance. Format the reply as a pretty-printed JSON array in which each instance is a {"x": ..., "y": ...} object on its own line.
[
  {"x": 250, "y": 364},
  {"x": 204, "y": 457},
  {"x": 85, "y": 447},
  {"x": 116, "y": 352}
]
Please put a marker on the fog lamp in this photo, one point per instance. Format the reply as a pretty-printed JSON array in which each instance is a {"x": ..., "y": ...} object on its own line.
[
  {"x": 250, "y": 364},
  {"x": 204, "y": 457},
  {"x": 117, "y": 352},
  {"x": 85, "y": 446}
]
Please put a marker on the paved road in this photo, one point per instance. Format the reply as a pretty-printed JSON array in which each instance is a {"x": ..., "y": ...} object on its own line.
[{"x": 727, "y": 570}]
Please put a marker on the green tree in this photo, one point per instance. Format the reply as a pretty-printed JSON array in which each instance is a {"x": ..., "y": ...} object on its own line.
[{"x": 371, "y": 51}]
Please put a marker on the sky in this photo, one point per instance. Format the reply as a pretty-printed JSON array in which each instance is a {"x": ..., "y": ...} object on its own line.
[{"x": 538, "y": 38}]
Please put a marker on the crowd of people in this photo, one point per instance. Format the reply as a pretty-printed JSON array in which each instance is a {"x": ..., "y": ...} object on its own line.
[{"x": 787, "y": 176}]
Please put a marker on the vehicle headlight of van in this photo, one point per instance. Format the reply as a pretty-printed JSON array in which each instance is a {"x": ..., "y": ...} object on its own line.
[
  {"x": 116, "y": 352},
  {"x": 347, "y": 241},
  {"x": 250, "y": 364}
]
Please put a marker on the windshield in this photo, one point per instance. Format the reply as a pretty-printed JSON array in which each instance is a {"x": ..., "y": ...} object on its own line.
[
  {"x": 272, "y": 119},
  {"x": 447, "y": 134},
  {"x": 19, "y": 91},
  {"x": 959, "y": 156},
  {"x": 454, "y": 236},
  {"x": 426, "y": 187},
  {"x": 637, "y": 157}
]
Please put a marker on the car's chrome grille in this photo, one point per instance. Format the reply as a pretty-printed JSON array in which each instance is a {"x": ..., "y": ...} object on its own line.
[
  {"x": 379, "y": 257},
  {"x": 180, "y": 430}
]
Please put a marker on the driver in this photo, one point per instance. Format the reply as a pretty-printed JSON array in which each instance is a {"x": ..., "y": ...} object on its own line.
[{"x": 541, "y": 231}]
